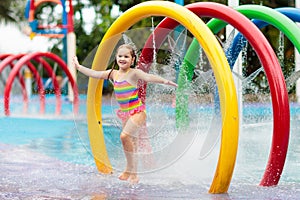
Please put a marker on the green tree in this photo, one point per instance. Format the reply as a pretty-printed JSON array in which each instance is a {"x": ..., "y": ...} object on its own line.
[
  {"x": 11, "y": 10},
  {"x": 88, "y": 39}
]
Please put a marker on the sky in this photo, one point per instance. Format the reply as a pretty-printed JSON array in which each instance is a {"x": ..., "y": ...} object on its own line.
[{"x": 13, "y": 40}]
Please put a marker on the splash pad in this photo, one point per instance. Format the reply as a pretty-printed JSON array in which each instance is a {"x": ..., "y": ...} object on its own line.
[
  {"x": 225, "y": 86},
  {"x": 60, "y": 180}
]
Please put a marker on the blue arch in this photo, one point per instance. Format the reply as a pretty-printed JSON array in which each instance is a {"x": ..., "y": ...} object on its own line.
[{"x": 240, "y": 41}]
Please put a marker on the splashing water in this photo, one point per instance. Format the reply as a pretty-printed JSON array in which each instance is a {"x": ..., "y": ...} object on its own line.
[
  {"x": 177, "y": 47},
  {"x": 280, "y": 50},
  {"x": 153, "y": 40},
  {"x": 127, "y": 40}
]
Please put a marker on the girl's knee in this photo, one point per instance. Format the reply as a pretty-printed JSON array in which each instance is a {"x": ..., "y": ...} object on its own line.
[{"x": 124, "y": 136}]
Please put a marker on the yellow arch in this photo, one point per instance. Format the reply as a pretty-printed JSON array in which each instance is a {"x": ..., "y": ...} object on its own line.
[{"x": 216, "y": 56}]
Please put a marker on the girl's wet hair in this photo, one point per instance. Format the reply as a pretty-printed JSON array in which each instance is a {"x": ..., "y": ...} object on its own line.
[{"x": 132, "y": 53}]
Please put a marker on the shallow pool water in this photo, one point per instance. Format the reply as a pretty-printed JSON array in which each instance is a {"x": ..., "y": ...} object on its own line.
[{"x": 48, "y": 157}]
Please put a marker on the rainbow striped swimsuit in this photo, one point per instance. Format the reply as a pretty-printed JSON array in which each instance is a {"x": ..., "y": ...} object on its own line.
[{"x": 127, "y": 96}]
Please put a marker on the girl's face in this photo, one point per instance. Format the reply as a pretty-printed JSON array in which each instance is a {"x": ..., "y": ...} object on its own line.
[{"x": 124, "y": 58}]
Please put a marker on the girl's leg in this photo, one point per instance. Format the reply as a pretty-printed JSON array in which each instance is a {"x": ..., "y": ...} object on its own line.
[
  {"x": 129, "y": 139},
  {"x": 126, "y": 173},
  {"x": 128, "y": 147}
]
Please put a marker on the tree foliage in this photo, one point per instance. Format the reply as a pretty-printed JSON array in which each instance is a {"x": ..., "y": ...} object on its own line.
[
  {"x": 90, "y": 33},
  {"x": 12, "y": 10}
]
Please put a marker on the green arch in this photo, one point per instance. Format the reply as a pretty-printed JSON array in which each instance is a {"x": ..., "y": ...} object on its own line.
[
  {"x": 289, "y": 28},
  {"x": 269, "y": 15}
]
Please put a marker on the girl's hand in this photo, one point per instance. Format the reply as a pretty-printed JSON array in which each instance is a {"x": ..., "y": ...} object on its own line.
[
  {"x": 168, "y": 82},
  {"x": 75, "y": 62}
]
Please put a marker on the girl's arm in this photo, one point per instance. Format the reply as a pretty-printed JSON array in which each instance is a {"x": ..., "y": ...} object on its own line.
[
  {"x": 153, "y": 78},
  {"x": 90, "y": 72}
]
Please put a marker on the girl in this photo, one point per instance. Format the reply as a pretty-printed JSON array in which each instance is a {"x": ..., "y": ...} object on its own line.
[{"x": 132, "y": 111}]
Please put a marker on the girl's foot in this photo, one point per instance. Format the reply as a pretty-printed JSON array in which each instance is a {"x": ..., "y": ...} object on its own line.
[
  {"x": 124, "y": 176},
  {"x": 134, "y": 179}
]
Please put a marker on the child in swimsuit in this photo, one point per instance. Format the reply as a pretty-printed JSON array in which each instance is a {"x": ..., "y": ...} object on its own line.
[{"x": 132, "y": 111}]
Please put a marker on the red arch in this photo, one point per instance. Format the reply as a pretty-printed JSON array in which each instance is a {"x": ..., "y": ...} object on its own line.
[
  {"x": 269, "y": 61},
  {"x": 9, "y": 61},
  {"x": 36, "y": 55},
  {"x": 41, "y": 89},
  {"x": 51, "y": 74}
]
